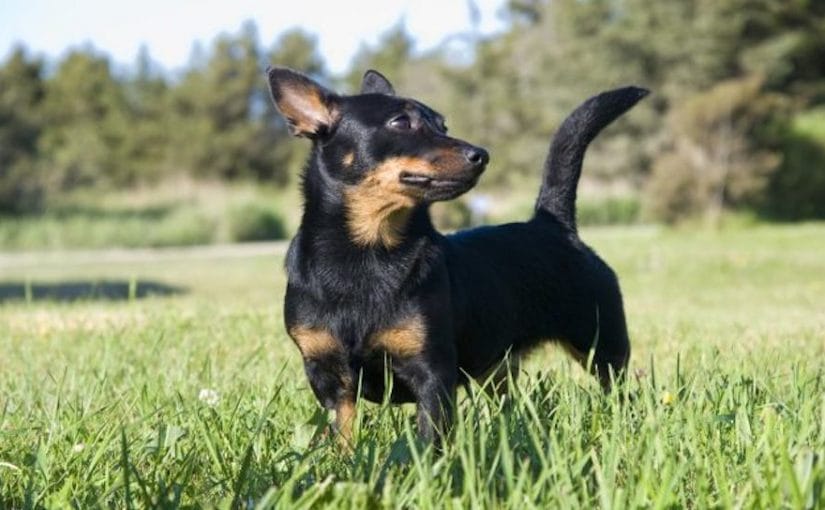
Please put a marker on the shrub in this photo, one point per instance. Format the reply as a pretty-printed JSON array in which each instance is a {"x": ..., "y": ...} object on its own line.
[
  {"x": 797, "y": 189},
  {"x": 610, "y": 211},
  {"x": 21, "y": 188},
  {"x": 255, "y": 221},
  {"x": 723, "y": 153},
  {"x": 183, "y": 227}
]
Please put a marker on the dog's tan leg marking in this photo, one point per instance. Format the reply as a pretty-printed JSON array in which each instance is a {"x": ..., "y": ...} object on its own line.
[
  {"x": 345, "y": 419},
  {"x": 404, "y": 340},
  {"x": 314, "y": 342},
  {"x": 317, "y": 343},
  {"x": 379, "y": 207}
]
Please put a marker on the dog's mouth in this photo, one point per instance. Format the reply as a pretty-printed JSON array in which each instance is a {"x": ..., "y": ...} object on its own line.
[{"x": 427, "y": 181}]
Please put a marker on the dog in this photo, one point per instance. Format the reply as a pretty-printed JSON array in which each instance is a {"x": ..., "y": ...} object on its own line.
[{"x": 373, "y": 287}]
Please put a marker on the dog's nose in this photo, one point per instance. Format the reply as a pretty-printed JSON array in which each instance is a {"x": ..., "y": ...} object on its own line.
[{"x": 477, "y": 156}]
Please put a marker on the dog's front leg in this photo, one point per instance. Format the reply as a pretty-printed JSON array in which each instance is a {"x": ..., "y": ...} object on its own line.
[
  {"x": 435, "y": 407},
  {"x": 428, "y": 367},
  {"x": 433, "y": 382}
]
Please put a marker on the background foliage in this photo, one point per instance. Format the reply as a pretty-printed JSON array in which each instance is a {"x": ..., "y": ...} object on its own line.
[{"x": 736, "y": 122}]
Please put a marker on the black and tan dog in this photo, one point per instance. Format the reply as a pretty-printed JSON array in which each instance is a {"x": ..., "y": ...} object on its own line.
[{"x": 372, "y": 284}]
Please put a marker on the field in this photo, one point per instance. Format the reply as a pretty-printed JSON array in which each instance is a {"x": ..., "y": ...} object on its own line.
[{"x": 175, "y": 386}]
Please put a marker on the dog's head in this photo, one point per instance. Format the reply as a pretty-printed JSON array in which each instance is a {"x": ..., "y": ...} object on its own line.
[{"x": 389, "y": 150}]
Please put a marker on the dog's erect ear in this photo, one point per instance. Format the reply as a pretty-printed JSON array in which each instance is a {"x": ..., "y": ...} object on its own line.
[
  {"x": 375, "y": 83},
  {"x": 309, "y": 109}
]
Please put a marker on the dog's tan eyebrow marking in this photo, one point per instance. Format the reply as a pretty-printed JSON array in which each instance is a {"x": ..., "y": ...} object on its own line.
[
  {"x": 404, "y": 340},
  {"x": 348, "y": 158},
  {"x": 314, "y": 342},
  {"x": 379, "y": 206}
]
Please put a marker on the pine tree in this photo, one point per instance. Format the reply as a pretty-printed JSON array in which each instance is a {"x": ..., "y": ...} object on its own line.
[{"x": 21, "y": 97}]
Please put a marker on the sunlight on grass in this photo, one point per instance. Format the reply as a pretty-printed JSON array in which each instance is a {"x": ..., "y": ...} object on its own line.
[{"x": 198, "y": 398}]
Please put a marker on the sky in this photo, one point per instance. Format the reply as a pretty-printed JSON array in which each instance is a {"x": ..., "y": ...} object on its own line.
[{"x": 169, "y": 28}]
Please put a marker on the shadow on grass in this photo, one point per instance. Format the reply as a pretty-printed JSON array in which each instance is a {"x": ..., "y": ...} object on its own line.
[{"x": 107, "y": 290}]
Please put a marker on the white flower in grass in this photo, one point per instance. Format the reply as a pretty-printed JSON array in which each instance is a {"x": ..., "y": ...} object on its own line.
[
  {"x": 209, "y": 397},
  {"x": 79, "y": 447}
]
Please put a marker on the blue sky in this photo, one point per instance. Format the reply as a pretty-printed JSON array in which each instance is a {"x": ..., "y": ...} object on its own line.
[{"x": 170, "y": 27}]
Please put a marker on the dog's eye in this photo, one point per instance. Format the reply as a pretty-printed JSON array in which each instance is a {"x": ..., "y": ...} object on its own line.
[{"x": 401, "y": 122}]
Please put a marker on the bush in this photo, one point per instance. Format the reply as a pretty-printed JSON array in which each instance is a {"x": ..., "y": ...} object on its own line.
[
  {"x": 184, "y": 227},
  {"x": 675, "y": 191},
  {"x": 610, "y": 211},
  {"x": 172, "y": 215},
  {"x": 21, "y": 188},
  {"x": 255, "y": 221},
  {"x": 797, "y": 189},
  {"x": 723, "y": 153}
]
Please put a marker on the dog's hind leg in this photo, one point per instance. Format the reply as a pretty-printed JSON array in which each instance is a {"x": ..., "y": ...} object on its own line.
[
  {"x": 606, "y": 353},
  {"x": 498, "y": 380},
  {"x": 609, "y": 362},
  {"x": 612, "y": 348}
]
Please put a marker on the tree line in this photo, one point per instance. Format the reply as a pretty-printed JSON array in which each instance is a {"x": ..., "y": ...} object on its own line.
[{"x": 736, "y": 119}]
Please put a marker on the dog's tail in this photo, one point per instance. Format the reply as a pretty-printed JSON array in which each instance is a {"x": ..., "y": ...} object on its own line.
[{"x": 564, "y": 162}]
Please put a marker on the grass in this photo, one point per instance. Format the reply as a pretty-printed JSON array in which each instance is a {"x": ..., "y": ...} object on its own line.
[
  {"x": 197, "y": 399},
  {"x": 188, "y": 213},
  {"x": 181, "y": 213}
]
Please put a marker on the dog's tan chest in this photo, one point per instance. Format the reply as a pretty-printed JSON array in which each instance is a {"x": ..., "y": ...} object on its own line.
[
  {"x": 314, "y": 342},
  {"x": 404, "y": 340}
]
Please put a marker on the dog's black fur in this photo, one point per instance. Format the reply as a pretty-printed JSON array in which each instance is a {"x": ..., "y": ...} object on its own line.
[{"x": 373, "y": 285}]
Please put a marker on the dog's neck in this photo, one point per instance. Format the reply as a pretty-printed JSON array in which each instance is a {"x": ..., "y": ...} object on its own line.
[
  {"x": 335, "y": 213},
  {"x": 324, "y": 256}
]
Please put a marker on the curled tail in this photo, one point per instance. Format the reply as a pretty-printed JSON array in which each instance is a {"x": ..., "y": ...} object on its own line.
[{"x": 564, "y": 162}]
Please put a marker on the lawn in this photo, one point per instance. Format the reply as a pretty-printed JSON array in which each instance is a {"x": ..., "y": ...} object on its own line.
[{"x": 177, "y": 387}]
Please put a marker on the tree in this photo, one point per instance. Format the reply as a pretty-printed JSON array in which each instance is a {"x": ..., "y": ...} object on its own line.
[
  {"x": 695, "y": 55},
  {"x": 723, "y": 154},
  {"x": 142, "y": 155},
  {"x": 298, "y": 49},
  {"x": 390, "y": 56},
  {"x": 21, "y": 97},
  {"x": 219, "y": 118},
  {"x": 87, "y": 122}
]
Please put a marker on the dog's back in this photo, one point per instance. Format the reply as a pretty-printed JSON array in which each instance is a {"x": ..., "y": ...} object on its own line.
[{"x": 515, "y": 285}]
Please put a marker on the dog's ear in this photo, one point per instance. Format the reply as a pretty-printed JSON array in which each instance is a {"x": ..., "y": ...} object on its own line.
[
  {"x": 310, "y": 110},
  {"x": 375, "y": 83}
]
